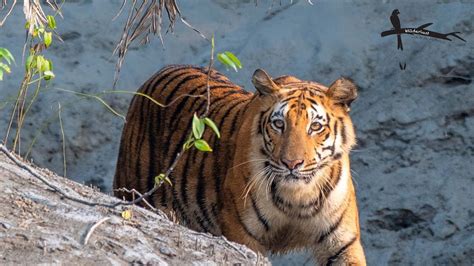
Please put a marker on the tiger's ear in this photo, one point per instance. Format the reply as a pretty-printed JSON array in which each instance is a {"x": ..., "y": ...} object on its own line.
[
  {"x": 342, "y": 91},
  {"x": 263, "y": 82}
]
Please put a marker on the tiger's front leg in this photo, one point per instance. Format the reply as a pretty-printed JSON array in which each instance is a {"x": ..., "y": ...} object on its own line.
[{"x": 341, "y": 244}]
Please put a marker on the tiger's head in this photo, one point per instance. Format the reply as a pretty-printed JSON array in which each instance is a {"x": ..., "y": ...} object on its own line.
[{"x": 298, "y": 129}]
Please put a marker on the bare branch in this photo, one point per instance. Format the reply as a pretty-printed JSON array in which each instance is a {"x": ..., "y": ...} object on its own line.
[
  {"x": 3, "y": 4},
  {"x": 145, "y": 18}
]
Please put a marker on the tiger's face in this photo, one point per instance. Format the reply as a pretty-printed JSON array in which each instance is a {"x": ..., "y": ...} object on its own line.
[{"x": 301, "y": 128}]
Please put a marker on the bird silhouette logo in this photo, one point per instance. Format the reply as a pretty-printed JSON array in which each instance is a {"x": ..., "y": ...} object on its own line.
[
  {"x": 396, "y": 26},
  {"x": 421, "y": 30}
]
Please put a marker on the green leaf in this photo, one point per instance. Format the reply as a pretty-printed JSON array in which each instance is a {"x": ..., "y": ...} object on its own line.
[
  {"x": 213, "y": 126},
  {"x": 198, "y": 127},
  {"x": 1, "y": 74},
  {"x": 202, "y": 145},
  {"x": 7, "y": 55},
  {"x": 224, "y": 59},
  {"x": 5, "y": 67},
  {"x": 161, "y": 177},
  {"x": 233, "y": 58},
  {"x": 188, "y": 143},
  {"x": 29, "y": 62},
  {"x": 49, "y": 75},
  {"x": 39, "y": 62},
  {"x": 51, "y": 22},
  {"x": 48, "y": 38},
  {"x": 50, "y": 63}
]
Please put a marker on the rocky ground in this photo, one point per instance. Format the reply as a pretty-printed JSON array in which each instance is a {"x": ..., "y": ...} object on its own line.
[
  {"x": 39, "y": 226},
  {"x": 413, "y": 164}
]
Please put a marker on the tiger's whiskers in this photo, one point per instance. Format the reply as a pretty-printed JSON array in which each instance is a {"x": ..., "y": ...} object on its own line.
[{"x": 253, "y": 180}]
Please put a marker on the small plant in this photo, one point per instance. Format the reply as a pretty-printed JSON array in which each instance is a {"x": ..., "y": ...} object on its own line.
[
  {"x": 6, "y": 59},
  {"x": 38, "y": 68},
  {"x": 198, "y": 127}
]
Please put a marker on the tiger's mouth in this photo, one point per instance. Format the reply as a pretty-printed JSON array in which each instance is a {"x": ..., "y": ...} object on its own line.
[
  {"x": 292, "y": 176},
  {"x": 296, "y": 177}
]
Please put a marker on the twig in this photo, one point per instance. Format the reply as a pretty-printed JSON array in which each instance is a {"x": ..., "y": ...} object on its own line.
[
  {"x": 138, "y": 193},
  {"x": 234, "y": 247},
  {"x": 145, "y": 18},
  {"x": 155, "y": 188},
  {"x": 91, "y": 230},
  {"x": 49, "y": 184},
  {"x": 64, "y": 140},
  {"x": 8, "y": 13},
  {"x": 209, "y": 69}
]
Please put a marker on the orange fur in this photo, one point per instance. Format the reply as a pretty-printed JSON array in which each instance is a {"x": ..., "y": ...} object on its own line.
[{"x": 272, "y": 185}]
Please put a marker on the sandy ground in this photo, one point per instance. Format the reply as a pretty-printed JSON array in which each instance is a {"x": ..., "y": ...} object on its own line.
[{"x": 415, "y": 127}]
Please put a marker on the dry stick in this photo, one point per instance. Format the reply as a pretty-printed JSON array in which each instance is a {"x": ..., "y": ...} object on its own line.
[
  {"x": 209, "y": 69},
  {"x": 155, "y": 188},
  {"x": 91, "y": 230},
  {"x": 33, "y": 172},
  {"x": 138, "y": 193},
  {"x": 64, "y": 140},
  {"x": 8, "y": 13}
]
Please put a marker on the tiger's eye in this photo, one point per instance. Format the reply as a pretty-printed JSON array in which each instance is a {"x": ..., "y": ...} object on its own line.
[
  {"x": 316, "y": 126},
  {"x": 278, "y": 123}
]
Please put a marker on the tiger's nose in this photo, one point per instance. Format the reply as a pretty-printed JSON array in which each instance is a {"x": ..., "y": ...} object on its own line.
[{"x": 292, "y": 164}]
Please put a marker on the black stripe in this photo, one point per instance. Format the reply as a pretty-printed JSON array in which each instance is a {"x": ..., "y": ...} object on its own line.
[
  {"x": 260, "y": 131},
  {"x": 313, "y": 102},
  {"x": 235, "y": 122},
  {"x": 343, "y": 131},
  {"x": 163, "y": 196},
  {"x": 280, "y": 203},
  {"x": 289, "y": 99},
  {"x": 178, "y": 120},
  {"x": 201, "y": 223},
  {"x": 333, "y": 146},
  {"x": 335, "y": 257},
  {"x": 201, "y": 192},
  {"x": 152, "y": 152},
  {"x": 178, "y": 147},
  {"x": 178, "y": 86},
  {"x": 151, "y": 120},
  {"x": 326, "y": 136},
  {"x": 164, "y": 114},
  {"x": 183, "y": 183},
  {"x": 332, "y": 228},
  {"x": 260, "y": 216},
  {"x": 218, "y": 170},
  {"x": 183, "y": 103},
  {"x": 160, "y": 76},
  {"x": 240, "y": 217}
]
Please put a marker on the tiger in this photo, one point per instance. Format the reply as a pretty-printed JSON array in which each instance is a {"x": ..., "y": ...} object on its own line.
[{"x": 278, "y": 180}]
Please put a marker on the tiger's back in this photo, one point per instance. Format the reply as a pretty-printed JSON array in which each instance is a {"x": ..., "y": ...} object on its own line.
[{"x": 153, "y": 136}]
